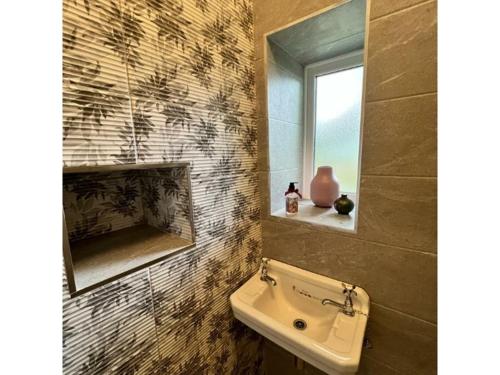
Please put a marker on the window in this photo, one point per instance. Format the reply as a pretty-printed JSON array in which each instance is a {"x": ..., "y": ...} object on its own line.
[{"x": 334, "y": 90}]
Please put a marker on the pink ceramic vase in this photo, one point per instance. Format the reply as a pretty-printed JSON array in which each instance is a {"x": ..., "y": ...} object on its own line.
[{"x": 324, "y": 187}]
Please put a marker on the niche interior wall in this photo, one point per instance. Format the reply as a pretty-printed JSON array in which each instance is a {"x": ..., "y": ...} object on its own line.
[
  {"x": 152, "y": 81},
  {"x": 393, "y": 256}
]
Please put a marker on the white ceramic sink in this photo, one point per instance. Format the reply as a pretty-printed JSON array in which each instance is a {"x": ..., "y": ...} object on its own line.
[{"x": 331, "y": 341}]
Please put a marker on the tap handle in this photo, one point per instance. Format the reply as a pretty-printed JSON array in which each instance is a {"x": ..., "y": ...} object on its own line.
[
  {"x": 264, "y": 261},
  {"x": 349, "y": 291}
]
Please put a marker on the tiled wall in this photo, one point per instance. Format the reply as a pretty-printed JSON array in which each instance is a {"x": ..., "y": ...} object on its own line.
[
  {"x": 170, "y": 80},
  {"x": 93, "y": 203},
  {"x": 393, "y": 255},
  {"x": 97, "y": 203},
  {"x": 165, "y": 198},
  {"x": 286, "y": 128}
]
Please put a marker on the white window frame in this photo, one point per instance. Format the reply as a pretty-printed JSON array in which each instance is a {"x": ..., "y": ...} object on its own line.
[{"x": 343, "y": 62}]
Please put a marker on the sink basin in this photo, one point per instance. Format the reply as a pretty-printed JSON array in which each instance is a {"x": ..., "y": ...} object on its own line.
[{"x": 291, "y": 315}]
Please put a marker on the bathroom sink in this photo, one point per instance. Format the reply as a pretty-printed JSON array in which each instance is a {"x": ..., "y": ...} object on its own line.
[{"x": 291, "y": 314}]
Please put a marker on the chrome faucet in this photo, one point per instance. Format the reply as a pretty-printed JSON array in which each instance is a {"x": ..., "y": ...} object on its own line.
[
  {"x": 263, "y": 273},
  {"x": 347, "y": 307}
]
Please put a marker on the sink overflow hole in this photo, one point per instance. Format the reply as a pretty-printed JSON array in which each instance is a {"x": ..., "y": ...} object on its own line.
[{"x": 300, "y": 324}]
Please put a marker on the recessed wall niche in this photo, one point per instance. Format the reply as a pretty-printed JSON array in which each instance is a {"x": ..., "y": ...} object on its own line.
[
  {"x": 314, "y": 84},
  {"x": 119, "y": 219}
]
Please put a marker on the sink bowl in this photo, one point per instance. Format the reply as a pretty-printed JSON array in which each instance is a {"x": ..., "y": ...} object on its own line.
[{"x": 291, "y": 315}]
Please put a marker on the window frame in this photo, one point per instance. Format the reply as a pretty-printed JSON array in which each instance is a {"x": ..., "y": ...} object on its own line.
[{"x": 311, "y": 72}]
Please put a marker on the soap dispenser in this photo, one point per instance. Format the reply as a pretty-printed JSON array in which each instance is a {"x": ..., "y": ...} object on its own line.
[{"x": 292, "y": 197}]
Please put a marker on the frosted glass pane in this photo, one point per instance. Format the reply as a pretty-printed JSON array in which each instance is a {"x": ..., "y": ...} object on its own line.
[{"x": 338, "y": 116}]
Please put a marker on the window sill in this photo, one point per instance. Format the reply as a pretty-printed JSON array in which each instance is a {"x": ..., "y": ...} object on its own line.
[{"x": 327, "y": 217}]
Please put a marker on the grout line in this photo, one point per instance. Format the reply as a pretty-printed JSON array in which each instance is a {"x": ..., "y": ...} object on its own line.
[
  {"x": 421, "y": 252},
  {"x": 337, "y": 41},
  {"x": 402, "y": 97},
  {"x": 332, "y": 231},
  {"x": 284, "y": 170},
  {"x": 129, "y": 97},
  {"x": 132, "y": 126},
  {"x": 403, "y": 313},
  {"x": 290, "y": 57},
  {"x": 284, "y": 121},
  {"x": 401, "y": 10},
  {"x": 154, "y": 314}
]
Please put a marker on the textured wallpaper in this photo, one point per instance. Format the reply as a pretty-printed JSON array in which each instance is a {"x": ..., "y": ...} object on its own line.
[
  {"x": 151, "y": 81},
  {"x": 98, "y": 203}
]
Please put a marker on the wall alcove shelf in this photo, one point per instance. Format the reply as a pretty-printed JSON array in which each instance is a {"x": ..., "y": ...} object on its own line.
[{"x": 119, "y": 219}]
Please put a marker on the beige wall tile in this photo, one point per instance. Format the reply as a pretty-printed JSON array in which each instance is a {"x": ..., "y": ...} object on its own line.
[
  {"x": 406, "y": 344},
  {"x": 402, "y": 54},
  {"x": 264, "y": 194},
  {"x": 399, "y": 137},
  {"x": 261, "y": 88},
  {"x": 311, "y": 370},
  {"x": 395, "y": 212},
  {"x": 260, "y": 44},
  {"x": 399, "y": 211},
  {"x": 278, "y": 361},
  {"x": 370, "y": 366},
  {"x": 381, "y": 8},
  {"x": 283, "y": 242},
  {"x": 400, "y": 279},
  {"x": 262, "y": 144}
]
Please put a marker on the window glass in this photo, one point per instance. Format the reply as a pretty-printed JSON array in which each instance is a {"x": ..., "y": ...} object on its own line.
[{"x": 338, "y": 117}]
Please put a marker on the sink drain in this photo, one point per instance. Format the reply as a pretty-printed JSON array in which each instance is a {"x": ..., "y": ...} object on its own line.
[{"x": 300, "y": 324}]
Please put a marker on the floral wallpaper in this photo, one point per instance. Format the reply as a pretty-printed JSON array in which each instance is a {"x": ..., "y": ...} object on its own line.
[
  {"x": 166, "y": 200},
  {"x": 98, "y": 203},
  {"x": 148, "y": 81}
]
